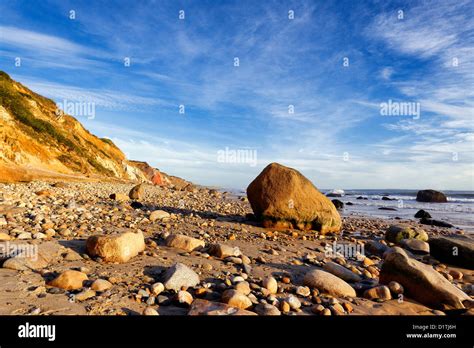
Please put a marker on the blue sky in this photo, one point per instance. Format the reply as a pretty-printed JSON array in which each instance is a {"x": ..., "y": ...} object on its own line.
[{"x": 336, "y": 136}]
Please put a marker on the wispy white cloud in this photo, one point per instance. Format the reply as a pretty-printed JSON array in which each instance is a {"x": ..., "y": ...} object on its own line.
[
  {"x": 386, "y": 73},
  {"x": 49, "y": 51},
  {"x": 108, "y": 99},
  {"x": 439, "y": 38}
]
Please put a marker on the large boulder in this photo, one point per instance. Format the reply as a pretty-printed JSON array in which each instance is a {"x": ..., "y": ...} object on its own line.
[
  {"x": 457, "y": 250},
  {"x": 431, "y": 196},
  {"x": 395, "y": 233},
  {"x": 328, "y": 283},
  {"x": 116, "y": 248},
  {"x": 421, "y": 282},
  {"x": 282, "y": 197}
]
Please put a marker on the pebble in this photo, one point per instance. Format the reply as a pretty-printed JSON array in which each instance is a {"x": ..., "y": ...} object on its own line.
[
  {"x": 235, "y": 260},
  {"x": 317, "y": 309},
  {"x": 348, "y": 307},
  {"x": 378, "y": 293},
  {"x": 101, "y": 285},
  {"x": 270, "y": 284},
  {"x": 158, "y": 215},
  {"x": 84, "y": 295},
  {"x": 180, "y": 241},
  {"x": 222, "y": 251},
  {"x": 184, "y": 298},
  {"x": 438, "y": 312},
  {"x": 337, "y": 309},
  {"x": 293, "y": 301},
  {"x": 157, "y": 288},
  {"x": 455, "y": 274},
  {"x": 243, "y": 287},
  {"x": 267, "y": 309},
  {"x": 236, "y": 299},
  {"x": 395, "y": 287},
  {"x": 4, "y": 236},
  {"x": 285, "y": 307},
  {"x": 207, "y": 267},
  {"x": 150, "y": 311},
  {"x": 163, "y": 300},
  {"x": 368, "y": 262},
  {"x": 303, "y": 291},
  {"x": 326, "y": 312},
  {"x": 24, "y": 235}
]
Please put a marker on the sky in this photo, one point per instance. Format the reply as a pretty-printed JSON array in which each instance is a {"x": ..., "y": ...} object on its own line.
[{"x": 213, "y": 91}]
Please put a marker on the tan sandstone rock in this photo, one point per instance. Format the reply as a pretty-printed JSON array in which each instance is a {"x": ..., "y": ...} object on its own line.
[
  {"x": 222, "y": 250},
  {"x": 116, "y": 248},
  {"x": 183, "y": 242},
  {"x": 69, "y": 280},
  {"x": 282, "y": 197}
]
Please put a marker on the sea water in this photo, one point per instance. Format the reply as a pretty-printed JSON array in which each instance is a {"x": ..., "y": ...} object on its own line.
[{"x": 459, "y": 211}]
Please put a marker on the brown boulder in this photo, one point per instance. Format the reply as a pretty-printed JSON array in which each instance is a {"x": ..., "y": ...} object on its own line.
[{"x": 282, "y": 197}]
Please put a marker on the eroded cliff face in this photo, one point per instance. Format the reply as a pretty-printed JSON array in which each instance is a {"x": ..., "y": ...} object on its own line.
[{"x": 36, "y": 141}]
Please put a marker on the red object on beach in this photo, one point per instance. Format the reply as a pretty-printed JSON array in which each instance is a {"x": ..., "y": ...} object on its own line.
[{"x": 156, "y": 179}]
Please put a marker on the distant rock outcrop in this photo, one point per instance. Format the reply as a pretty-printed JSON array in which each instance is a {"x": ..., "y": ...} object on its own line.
[
  {"x": 152, "y": 174},
  {"x": 338, "y": 204},
  {"x": 282, "y": 197},
  {"x": 431, "y": 196}
]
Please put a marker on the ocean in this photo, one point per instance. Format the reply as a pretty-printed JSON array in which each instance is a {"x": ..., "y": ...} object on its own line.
[{"x": 459, "y": 211}]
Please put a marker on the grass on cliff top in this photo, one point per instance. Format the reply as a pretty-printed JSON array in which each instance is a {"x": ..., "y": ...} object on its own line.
[{"x": 15, "y": 102}]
